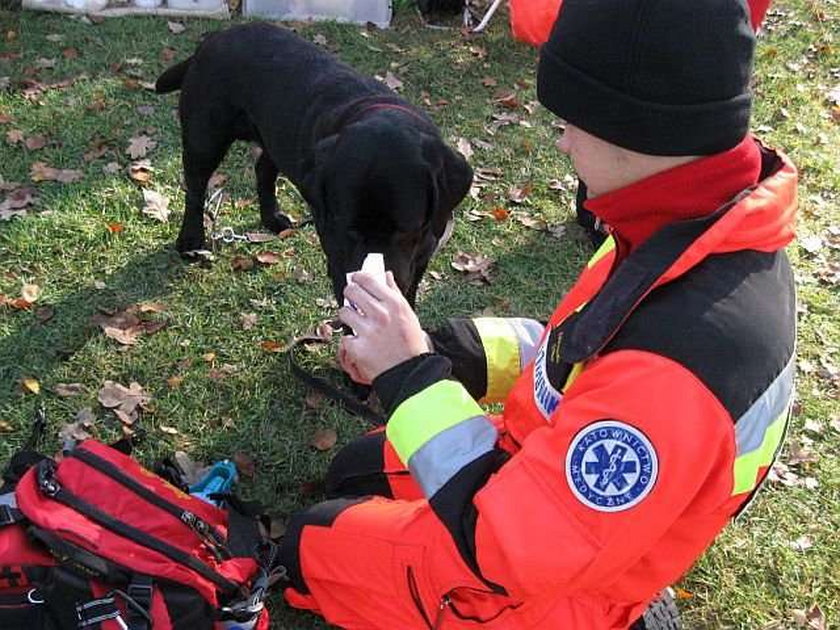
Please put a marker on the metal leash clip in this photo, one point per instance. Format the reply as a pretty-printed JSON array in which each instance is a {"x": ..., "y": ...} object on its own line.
[{"x": 228, "y": 235}]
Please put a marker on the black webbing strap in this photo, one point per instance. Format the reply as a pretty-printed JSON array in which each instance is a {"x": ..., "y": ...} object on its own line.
[
  {"x": 348, "y": 401},
  {"x": 139, "y": 602}
]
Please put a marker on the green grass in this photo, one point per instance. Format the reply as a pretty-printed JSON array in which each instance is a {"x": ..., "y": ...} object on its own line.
[{"x": 749, "y": 579}]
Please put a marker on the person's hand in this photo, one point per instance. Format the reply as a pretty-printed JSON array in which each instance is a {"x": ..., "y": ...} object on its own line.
[{"x": 387, "y": 330}]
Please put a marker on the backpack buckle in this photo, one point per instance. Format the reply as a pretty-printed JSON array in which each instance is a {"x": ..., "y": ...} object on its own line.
[{"x": 46, "y": 478}]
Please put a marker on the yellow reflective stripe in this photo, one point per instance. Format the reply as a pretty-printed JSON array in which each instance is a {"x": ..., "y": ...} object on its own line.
[
  {"x": 429, "y": 412},
  {"x": 501, "y": 349},
  {"x": 748, "y": 464},
  {"x": 606, "y": 247},
  {"x": 577, "y": 368}
]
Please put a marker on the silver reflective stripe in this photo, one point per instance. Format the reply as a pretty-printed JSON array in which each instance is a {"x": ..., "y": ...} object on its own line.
[
  {"x": 439, "y": 459},
  {"x": 751, "y": 427},
  {"x": 529, "y": 332}
]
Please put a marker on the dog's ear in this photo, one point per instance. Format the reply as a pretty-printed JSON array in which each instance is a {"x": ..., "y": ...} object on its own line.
[
  {"x": 451, "y": 184},
  {"x": 315, "y": 169}
]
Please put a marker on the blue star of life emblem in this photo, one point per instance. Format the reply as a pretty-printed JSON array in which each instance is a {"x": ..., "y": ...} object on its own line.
[{"x": 611, "y": 466}]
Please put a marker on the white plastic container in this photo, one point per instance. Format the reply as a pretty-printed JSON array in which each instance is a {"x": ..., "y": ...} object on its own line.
[
  {"x": 361, "y": 11},
  {"x": 195, "y": 5}
]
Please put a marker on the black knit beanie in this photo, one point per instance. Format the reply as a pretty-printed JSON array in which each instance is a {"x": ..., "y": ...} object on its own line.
[{"x": 661, "y": 77}]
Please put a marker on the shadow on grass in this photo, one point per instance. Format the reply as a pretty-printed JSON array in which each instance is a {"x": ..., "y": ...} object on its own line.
[{"x": 41, "y": 348}]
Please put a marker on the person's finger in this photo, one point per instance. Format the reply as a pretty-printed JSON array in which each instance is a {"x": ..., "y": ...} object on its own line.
[
  {"x": 369, "y": 305},
  {"x": 389, "y": 280},
  {"x": 370, "y": 283},
  {"x": 353, "y": 318}
]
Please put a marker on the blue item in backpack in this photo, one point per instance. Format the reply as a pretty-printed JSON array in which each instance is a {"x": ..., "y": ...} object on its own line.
[{"x": 218, "y": 480}]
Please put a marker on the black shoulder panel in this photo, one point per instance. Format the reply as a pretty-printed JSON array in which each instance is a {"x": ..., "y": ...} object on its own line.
[{"x": 730, "y": 320}]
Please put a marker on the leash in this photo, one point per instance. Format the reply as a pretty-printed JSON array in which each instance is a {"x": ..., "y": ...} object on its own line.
[{"x": 348, "y": 401}]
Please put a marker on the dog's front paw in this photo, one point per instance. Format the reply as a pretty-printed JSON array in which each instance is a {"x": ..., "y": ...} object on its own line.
[
  {"x": 187, "y": 243},
  {"x": 276, "y": 222}
]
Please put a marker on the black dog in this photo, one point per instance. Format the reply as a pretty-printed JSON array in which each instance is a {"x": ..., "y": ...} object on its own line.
[{"x": 373, "y": 168}]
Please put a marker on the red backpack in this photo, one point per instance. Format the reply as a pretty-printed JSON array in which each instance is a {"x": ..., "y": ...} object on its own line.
[{"x": 96, "y": 541}]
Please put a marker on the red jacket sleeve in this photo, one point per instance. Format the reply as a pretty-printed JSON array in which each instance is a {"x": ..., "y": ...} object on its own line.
[{"x": 571, "y": 514}]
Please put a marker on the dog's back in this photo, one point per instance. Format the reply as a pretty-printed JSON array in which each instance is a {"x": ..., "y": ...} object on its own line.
[{"x": 361, "y": 156}]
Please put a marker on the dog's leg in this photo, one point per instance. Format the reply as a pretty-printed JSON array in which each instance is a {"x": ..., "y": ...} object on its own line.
[
  {"x": 266, "y": 172},
  {"x": 202, "y": 155}
]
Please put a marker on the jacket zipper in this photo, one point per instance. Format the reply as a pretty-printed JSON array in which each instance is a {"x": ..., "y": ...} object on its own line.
[
  {"x": 208, "y": 534},
  {"x": 445, "y": 603},
  {"x": 49, "y": 486},
  {"x": 415, "y": 596}
]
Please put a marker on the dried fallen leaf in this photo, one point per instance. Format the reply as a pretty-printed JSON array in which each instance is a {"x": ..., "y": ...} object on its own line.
[
  {"x": 151, "y": 307},
  {"x": 267, "y": 258},
  {"x": 156, "y": 205},
  {"x": 31, "y": 385},
  {"x": 811, "y": 244},
  {"x": 17, "y": 202},
  {"x": 320, "y": 39},
  {"x": 14, "y": 136},
  {"x": 126, "y": 400},
  {"x": 324, "y": 439},
  {"x": 191, "y": 470},
  {"x": 175, "y": 28},
  {"x": 314, "y": 399},
  {"x": 124, "y": 336},
  {"x": 801, "y": 544},
  {"x": 469, "y": 262},
  {"x": 245, "y": 464},
  {"x": 33, "y": 143},
  {"x": 499, "y": 213},
  {"x": 97, "y": 148},
  {"x": 814, "y": 618},
  {"x": 272, "y": 346},
  {"x": 168, "y": 430},
  {"x": 531, "y": 222},
  {"x": 242, "y": 263},
  {"x": 174, "y": 381},
  {"x": 681, "y": 594},
  {"x": 507, "y": 100},
  {"x": 209, "y": 357},
  {"x": 41, "y": 172},
  {"x": 18, "y": 304},
  {"x": 520, "y": 194},
  {"x": 30, "y": 292},
  {"x": 465, "y": 148},
  {"x": 248, "y": 320},
  {"x": 112, "y": 168},
  {"x": 79, "y": 430},
  {"x": 66, "y": 390},
  {"x": 138, "y": 146},
  {"x": 391, "y": 80}
]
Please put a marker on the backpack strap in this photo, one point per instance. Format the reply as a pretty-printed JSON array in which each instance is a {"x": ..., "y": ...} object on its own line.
[
  {"x": 10, "y": 515},
  {"x": 139, "y": 602}
]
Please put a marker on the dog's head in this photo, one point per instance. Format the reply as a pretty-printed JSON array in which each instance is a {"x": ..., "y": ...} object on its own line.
[{"x": 381, "y": 187}]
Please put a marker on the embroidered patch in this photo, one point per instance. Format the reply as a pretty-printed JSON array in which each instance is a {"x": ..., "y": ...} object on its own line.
[
  {"x": 546, "y": 397},
  {"x": 611, "y": 466}
]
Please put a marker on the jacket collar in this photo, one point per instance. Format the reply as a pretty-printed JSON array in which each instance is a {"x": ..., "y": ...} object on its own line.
[{"x": 689, "y": 191}]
